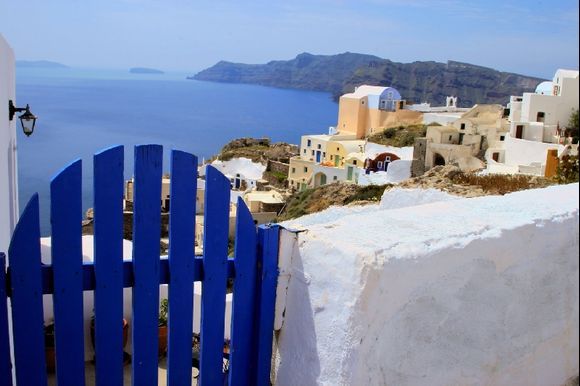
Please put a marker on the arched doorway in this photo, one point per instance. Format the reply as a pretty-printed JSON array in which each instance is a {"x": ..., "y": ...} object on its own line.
[
  {"x": 438, "y": 160},
  {"x": 319, "y": 179}
]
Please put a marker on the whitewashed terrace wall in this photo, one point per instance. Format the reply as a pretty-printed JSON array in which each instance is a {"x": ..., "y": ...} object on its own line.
[{"x": 487, "y": 297}]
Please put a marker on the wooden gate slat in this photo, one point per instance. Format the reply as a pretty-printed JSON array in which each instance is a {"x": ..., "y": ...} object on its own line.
[
  {"x": 5, "y": 362},
  {"x": 67, "y": 262},
  {"x": 26, "y": 298},
  {"x": 181, "y": 267},
  {"x": 242, "y": 363},
  {"x": 215, "y": 249},
  {"x": 268, "y": 237},
  {"x": 108, "y": 265},
  {"x": 146, "y": 237}
]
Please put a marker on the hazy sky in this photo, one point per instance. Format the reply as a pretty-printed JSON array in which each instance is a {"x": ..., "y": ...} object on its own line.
[{"x": 529, "y": 37}]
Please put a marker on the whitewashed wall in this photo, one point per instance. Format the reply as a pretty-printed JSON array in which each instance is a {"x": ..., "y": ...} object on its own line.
[
  {"x": 524, "y": 152},
  {"x": 480, "y": 291},
  {"x": 8, "y": 162}
]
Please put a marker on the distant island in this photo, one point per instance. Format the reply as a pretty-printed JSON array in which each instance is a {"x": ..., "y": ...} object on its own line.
[
  {"x": 39, "y": 64},
  {"x": 426, "y": 81},
  {"x": 145, "y": 70}
]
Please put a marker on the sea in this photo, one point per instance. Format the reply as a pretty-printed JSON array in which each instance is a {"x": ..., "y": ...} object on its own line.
[{"x": 82, "y": 111}]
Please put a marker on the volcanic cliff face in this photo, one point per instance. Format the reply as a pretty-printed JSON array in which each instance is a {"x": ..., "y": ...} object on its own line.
[
  {"x": 433, "y": 81},
  {"x": 417, "y": 81}
]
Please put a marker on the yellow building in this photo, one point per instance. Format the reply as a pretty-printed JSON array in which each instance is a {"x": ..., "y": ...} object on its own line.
[
  {"x": 337, "y": 151},
  {"x": 371, "y": 109}
]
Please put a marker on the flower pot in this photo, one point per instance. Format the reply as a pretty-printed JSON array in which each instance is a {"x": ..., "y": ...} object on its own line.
[
  {"x": 162, "y": 340},
  {"x": 125, "y": 332},
  {"x": 50, "y": 359},
  {"x": 49, "y": 352}
]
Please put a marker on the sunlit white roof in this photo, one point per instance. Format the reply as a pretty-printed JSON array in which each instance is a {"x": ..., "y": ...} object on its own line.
[{"x": 544, "y": 88}]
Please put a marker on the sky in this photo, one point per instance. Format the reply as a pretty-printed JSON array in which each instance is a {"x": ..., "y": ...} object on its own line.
[{"x": 527, "y": 37}]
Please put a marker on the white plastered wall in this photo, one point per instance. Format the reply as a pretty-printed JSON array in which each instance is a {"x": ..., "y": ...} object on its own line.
[
  {"x": 487, "y": 297},
  {"x": 8, "y": 162}
]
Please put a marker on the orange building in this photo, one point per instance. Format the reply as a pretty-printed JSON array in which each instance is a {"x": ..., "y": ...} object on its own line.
[{"x": 371, "y": 109}]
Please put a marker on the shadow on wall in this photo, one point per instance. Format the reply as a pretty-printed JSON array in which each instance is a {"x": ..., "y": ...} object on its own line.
[
  {"x": 299, "y": 331},
  {"x": 504, "y": 318}
]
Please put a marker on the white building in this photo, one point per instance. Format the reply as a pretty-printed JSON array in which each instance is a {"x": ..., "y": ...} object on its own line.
[
  {"x": 8, "y": 164},
  {"x": 537, "y": 116},
  {"x": 536, "y": 125},
  {"x": 443, "y": 115},
  {"x": 243, "y": 173}
]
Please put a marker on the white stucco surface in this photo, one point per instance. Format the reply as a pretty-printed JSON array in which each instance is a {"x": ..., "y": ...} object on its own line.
[
  {"x": 478, "y": 291},
  {"x": 374, "y": 149},
  {"x": 8, "y": 160},
  {"x": 243, "y": 166},
  {"x": 523, "y": 152},
  {"x": 398, "y": 171}
]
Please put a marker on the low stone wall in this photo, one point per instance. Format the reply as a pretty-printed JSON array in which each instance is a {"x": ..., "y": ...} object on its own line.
[{"x": 279, "y": 167}]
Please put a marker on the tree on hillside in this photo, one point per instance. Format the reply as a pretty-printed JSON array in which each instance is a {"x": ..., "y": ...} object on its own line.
[{"x": 572, "y": 127}]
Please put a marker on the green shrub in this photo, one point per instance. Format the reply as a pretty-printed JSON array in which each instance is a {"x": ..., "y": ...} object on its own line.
[
  {"x": 367, "y": 193},
  {"x": 407, "y": 139},
  {"x": 281, "y": 177},
  {"x": 567, "y": 171},
  {"x": 390, "y": 132}
]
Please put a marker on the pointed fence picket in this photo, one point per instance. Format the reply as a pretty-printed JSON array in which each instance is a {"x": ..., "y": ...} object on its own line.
[
  {"x": 253, "y": 269},
  {"x": 108, "y": 266}
]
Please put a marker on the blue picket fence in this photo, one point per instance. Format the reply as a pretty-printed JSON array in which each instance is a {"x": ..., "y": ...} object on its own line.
[{"x": 253, "y": 269}]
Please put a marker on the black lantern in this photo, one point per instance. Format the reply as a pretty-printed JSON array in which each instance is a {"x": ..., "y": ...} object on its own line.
[{"x": 27, "y": 119}]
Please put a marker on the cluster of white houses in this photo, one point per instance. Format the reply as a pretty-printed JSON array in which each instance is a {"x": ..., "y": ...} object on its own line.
[{"x": 522, "y": 138}]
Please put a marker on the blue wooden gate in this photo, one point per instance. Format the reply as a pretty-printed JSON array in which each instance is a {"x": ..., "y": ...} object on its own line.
[{"x": 254, "y": 270}]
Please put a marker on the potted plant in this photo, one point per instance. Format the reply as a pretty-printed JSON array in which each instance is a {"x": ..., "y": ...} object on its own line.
[
  {"x": 126, "y": 357},
  {"x": 49, "y": 347},
  {"x": 163, "y": 309}
]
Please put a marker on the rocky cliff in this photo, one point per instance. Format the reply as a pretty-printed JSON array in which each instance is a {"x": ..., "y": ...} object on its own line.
[{"x": 417, "y": 81}]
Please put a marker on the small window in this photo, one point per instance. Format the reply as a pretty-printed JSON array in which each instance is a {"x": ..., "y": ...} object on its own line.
[
  {"x": 305, "y": 169},
  {"x": 380, "y": 164},
  {"x": 293, "y": 170},
  {"x": 362, "y": 102},
  {"x": 388, "y": 159},
  {"x": 304, "y": 151},
  {"x": 450, "y": 137},
  {"x": 502, "y": 138},
  {"x": 319, "y": 146},
  {"x": 323, "y": 154},
  {"x": 354, "y": 162},
  {"x": 308, "y": 143},
  {"x": 540, "y": 117},
  {"x": 463, "y": 126},
  {"x": 331, "y": 157},
  {"x": 337, "y": 149},
  {"x": 335, "y": 178},
  {"x": 312, "y": 152}
]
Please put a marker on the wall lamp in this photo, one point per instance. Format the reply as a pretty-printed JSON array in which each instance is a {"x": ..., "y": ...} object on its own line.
[{"x": 27, "y": 120}]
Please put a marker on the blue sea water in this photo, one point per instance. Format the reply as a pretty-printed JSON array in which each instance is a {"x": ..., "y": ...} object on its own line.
[{"x": 81, "y": 112}]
